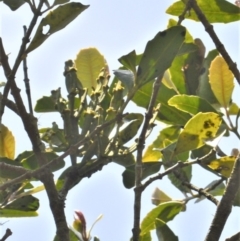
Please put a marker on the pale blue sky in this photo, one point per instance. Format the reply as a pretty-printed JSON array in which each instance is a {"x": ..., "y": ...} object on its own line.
[{"x": 115, "y": 28}]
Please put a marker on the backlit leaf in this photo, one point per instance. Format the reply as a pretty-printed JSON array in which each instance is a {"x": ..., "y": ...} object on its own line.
[
  {"x": 129, "y": 61},
  {"x": 221, "y": 81},
  {"x": 216, "y": 11},
  {"x": 45, "y": 104},
  {"x": 164, "y": 233},
  {"x": 56, "y": 20},
  {"x": 190, "y": 104},
  {"x": 223, "y": 165},
  {"x": 197, "y": 130},
  {"x": 89, "y": 63},
  {"x": 167, "y": 113},
  {"x": 165, "y": 212},
  {"x": 148, "y": 168},
  {"x": 204, "y": 89},
  {"x": 166, "y": 136},
  {"x": 7, "y": 143},
  {"x": 159, "y": 54},
  {"x": 9, "y": 213},
  {"x": 159, "y": 196},
  {"x": 14, "y": 4}
]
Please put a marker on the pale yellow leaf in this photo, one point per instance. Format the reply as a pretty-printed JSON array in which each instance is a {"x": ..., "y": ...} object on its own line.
[
  {"x": 197, "y": 131},
  {"x": 223, "y": 165},
  {"x": 89, "y": 63},
  {"x": 221, "y": 81},
  {"x": 7, "y": 143}
]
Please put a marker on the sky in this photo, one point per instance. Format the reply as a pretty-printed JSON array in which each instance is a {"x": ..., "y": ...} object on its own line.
[{"x": 115, "y": 28}]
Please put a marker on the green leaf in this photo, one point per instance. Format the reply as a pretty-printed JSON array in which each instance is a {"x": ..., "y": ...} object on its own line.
[
  {"x": 197, "y": 130},
  {"x": 8, "y": 213},
  {"x": 45, "y": 104},
  {"x": 233, "y": 109},
  {"x": 204, "y": 89},
  {"x": 31, "y": 162},
  {"x": 9, "y": 173},
  {"x": 129, "y": 61},
  {"x": 180, "y": 175},
  {"x": 25, "y": 203},
  {"x": 14, "y": 4},
  {"x": 168, "y": 134},
  {"x": 165, "y": 212},
  {"x": 191, "y": 104},
  {"x": 56, "y": 2},
  {"x": 159, "y": 54},
  {"x": 72, "y": 236},
  {"x": 164, "y": 233},
  {"x": 167, "y": 113},
  {"x": 146, "y": 237},
  {"x": 57, "y": 19},
  {"x": 148, "y": 168},
  {"x": 192, "y": 68},
  {"x": 89, "y": 63},
  {"x": 216, "y": 11}
]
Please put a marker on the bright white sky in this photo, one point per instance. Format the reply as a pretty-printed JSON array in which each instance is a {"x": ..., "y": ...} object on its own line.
[{"x": 115, "y": 28}]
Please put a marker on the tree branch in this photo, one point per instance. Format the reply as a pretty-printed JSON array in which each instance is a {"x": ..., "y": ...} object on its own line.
[
  {"x": 225, "y": 206},
  {"x": 6, "y": 235},
  {"x": 138, "y": 167},
  {"x": 220, "y": 47}
]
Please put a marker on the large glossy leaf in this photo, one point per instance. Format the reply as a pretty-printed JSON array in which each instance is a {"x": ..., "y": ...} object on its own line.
[
  {"x": 31, "y": 162},
  {"x": 204, "y": 89},
  {"x": 191, "y": 104},
  {"x": 159, "y": 54},
  {"x": 216, "y": 11},
  {"x": 45, "y": 104},
  {"x": 167, "y": 113},
  {"x": 180, "y": 175},
  {"x": 89, "y": 63},
  {"x": 164, "y": 233},
  {"x": 9, "y": 213},
  {"x": 148, "y": 168},
  {"x": 166, "y": 136},
  {"x": 221, "y": 81},
  {"x": 56, "y": 2},
  {"x": 129, "y": 61},
  {"x": 165, "y": 212},
  {"x": 224, "y": 165},
  {"x": 7, "y": 142},
  {"x": 56, "y": 20},
  {"x": 198, "y": 129},
  {"x": 192, "y": 68},
  {"x": 10, "y": 173},
  {"x": 25, "y": 206},
  {"x": 14, "y": 4}
]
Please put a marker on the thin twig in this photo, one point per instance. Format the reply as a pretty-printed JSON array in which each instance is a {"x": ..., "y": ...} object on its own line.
[
  {"x": 138, "y": 167},
  {"x": 225, "y": 206},
  {"x": 185, "y": 11},
  {"x": 202, "y": 192},
  {"x": 220, "y": 47},
  {"x": 37, "y": 173},
  {"x": 6, "y": 235},
  {"x": 26, "y": 79}
]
